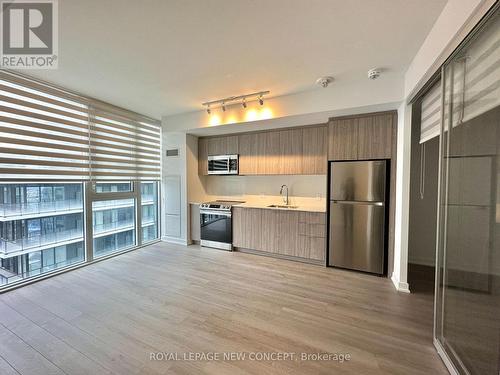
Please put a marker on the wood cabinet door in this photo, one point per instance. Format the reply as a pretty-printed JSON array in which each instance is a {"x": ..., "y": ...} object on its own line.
[
  {"x": 202, "y": 156},
  {"x": 248, "y": 153},
  {"x": 270, "y": 230},
  {"x": 375, "y": 136},
  {"x": 312, "y": 235},
  {"x": 215, "y": 146},
  {"x": 343, "y": 139},
  {"x": 268, "y": 161},
  {"x": 288, "y": 233},
  {"x": 247, "y": 228},
  {"x": 290, "y": 151},
  {"x": 314, "y": 150},
  {"x": 225, "y": 145}
]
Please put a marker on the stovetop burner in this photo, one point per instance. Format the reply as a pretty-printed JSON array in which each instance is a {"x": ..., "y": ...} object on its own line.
[{"x": 219, "y": 205}]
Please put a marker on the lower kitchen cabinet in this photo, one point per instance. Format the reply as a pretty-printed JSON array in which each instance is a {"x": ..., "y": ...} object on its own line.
[
  {"x": 312, "y": 235},
  {"x": 247, "y": 227},
  {"x": 287, "y": 233}
]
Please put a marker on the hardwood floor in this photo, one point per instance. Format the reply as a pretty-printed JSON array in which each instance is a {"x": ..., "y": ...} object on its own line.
[{"x": 108, "y": 317}]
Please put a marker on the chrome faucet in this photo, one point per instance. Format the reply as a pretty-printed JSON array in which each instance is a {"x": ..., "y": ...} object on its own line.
[{"x": 281, "y": 193}]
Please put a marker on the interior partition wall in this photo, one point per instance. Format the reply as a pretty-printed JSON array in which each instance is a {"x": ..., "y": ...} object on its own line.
[
  {"x": 467, "y": 305},
  {"x": 78, "y": 179}
]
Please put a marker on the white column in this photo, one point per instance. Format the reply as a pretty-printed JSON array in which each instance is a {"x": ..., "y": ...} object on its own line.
[{"x": 400, "y": 272}]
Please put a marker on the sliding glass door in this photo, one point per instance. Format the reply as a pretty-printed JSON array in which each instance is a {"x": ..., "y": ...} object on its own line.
[{"x": 468, "y": 285}]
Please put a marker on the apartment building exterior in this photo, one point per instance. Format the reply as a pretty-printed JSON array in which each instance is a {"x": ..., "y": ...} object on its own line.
[{"x": 42, "y": 225}]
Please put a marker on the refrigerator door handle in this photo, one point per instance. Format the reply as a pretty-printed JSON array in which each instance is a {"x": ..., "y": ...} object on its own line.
[{"x": 359, "y": 202}]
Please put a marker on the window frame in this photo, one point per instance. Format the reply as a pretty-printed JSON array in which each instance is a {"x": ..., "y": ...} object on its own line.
[{"x": 90, "y": 196}]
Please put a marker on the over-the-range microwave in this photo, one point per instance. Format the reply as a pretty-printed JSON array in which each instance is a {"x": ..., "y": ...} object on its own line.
[{"x": 223, "y": 164}]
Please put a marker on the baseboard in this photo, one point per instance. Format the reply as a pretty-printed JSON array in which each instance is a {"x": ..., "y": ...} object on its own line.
[
  {"x": 423, "y": 262},
  {"x": 280, "y": 256},
  {"x": 444, "y": 357},
  {"x": 400, "y": 287},
  {"x": 177, "y": 241}
]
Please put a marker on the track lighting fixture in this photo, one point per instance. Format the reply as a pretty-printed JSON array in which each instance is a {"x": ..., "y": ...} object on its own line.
[{"x": 232, "y": 99}]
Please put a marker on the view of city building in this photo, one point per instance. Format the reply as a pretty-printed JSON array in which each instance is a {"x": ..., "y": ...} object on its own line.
[{"x": 42, "y": 225}]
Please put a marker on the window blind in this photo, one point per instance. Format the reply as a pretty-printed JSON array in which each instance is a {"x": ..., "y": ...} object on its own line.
[
  {"x": 43, "y": 132},
  {"x": 47, "y": 133},
  {"x": 123, "y": 147},
  {"x": 430, "y": 123},
  {"x": 476, "y": 77}
]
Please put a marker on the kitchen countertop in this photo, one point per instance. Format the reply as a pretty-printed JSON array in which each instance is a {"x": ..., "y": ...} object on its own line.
[
  {"x": 304, "y": 204},
  {"x": 303, "y": 208}
]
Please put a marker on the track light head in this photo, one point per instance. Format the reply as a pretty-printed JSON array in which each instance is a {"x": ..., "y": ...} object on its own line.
[{"x": 233, "y": 100}]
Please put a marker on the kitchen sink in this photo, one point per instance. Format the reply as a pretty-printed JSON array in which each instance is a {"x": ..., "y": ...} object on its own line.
[{"x": 281, "y": 206}]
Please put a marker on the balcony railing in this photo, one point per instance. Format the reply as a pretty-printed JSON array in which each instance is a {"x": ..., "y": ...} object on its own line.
[
  {"x": 21, "y": 209},
  {"x": 8, "y": 277},
  {"x": 113, "y": 226},
  {"x": 148, "y": 199},
  {"x": 148, "y": 222},
  {"x": 114, "y": 203},
  {"x": 43, "y": 240}
]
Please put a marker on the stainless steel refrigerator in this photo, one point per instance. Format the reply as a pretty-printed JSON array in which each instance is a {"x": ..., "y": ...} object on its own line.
[{"x": 357, "y": 222}]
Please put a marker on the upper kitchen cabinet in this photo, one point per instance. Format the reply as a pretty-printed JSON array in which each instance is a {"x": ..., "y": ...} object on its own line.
[
  {"x": 361, "y": 137},
  {"x": 202, "y": 156},
  {"x": 314, "y": 146},
  {"x": 375, "y": 136},
  {"x": 290, "y": 151},
  {"x": 259, "y": 153},
  {"x": 227, "y": 145},
  {"x": 343, "y": 139}
]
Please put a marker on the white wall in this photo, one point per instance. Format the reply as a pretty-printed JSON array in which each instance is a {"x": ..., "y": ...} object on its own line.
[
  {"x": 174, "y": 198},
  {"x": 342, "y": 98},
  {"x": 400, "y": 269},
  {"x": 239, "y": 186}
]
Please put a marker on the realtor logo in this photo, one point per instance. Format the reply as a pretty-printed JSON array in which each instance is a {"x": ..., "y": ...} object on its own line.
[{"x": 29, "y": 34}]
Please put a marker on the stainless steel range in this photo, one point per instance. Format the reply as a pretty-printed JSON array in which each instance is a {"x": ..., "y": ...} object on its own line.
[{"x": 216, "y": 224}]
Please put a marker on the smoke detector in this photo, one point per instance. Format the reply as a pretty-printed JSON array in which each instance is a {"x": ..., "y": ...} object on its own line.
[
  {"x": 374, "y": 73},
  {"x": 324, "y": 81}
]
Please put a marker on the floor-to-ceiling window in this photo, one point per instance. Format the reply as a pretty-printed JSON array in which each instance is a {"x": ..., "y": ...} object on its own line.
[
  {"x": 149, "y": 203},
  {"x": 468, "y": 286},
  {"x": 78, "y": 179},
  {"x": 41, "y": 228}
]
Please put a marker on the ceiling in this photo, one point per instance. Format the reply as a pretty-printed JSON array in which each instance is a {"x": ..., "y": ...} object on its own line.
[{"x": 165, "y": 57}]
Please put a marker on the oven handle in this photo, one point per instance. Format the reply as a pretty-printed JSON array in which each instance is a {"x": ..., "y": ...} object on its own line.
[{"x": 212, "y": 212}]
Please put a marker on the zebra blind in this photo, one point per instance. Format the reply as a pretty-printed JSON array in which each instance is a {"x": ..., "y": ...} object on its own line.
[
  {"x": 123, "y": 147},
  {"x": 47, "y": 133},
  {"x": 430, "y": 123},
  {"x": 476, "y": 77},
  {"x": 43, "y": 133}
]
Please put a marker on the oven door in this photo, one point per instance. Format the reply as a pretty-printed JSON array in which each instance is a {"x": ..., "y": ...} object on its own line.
[
  {"x": 218, "y": 164},
  {"x": 216, "y": 229}
]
